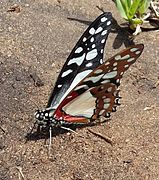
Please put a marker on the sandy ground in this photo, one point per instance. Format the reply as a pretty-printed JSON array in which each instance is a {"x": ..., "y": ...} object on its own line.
[{"x": 35, "y": 43}]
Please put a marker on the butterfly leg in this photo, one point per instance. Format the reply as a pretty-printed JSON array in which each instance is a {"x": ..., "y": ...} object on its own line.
[
  {"x": 50, "y": 133},
  {"x": 68, "y": 129}
]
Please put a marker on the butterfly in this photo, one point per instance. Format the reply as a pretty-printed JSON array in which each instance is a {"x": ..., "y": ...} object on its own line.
[{"x": 87, "y": 87}]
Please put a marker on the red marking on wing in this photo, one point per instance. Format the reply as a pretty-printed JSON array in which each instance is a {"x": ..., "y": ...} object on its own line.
[
  {"x": 58, "y": 114},
  {"x": 75, "y": 119}
]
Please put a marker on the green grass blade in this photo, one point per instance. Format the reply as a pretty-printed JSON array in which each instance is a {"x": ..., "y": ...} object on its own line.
[
  {"x": 134, "y": 8},
  {"x": 128, "y": 2},
  {"x": 144, "y": 5},
  {"x": 121, "y": 8}
]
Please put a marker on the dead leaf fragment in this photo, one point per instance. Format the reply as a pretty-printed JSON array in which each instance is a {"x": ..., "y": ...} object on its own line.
[{"x": 15, "y": 8}]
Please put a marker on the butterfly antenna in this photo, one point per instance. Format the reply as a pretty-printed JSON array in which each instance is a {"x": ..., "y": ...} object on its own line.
[{"x": 35, "y": 104}]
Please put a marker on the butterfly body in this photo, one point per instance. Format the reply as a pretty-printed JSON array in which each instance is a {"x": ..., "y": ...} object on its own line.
[
  {"x": 45, "y": 118},
  {"x": 87, "y": 87}
]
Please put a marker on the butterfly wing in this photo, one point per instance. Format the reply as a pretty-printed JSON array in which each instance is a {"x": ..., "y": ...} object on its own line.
[
  {"x": 85, "y": 56},
  {"x": 97, "y": 94}
]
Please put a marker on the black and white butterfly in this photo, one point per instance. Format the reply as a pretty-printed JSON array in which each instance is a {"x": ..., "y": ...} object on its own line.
[{"x": 87, "y": 87}]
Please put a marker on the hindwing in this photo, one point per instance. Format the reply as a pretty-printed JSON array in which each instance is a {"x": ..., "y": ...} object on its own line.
[{"x": 97, "y": 94}]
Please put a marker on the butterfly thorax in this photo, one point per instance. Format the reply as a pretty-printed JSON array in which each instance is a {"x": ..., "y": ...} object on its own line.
[{"x": 45, "y": 118}]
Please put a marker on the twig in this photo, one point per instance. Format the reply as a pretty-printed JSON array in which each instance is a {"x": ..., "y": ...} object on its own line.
[
  {"x": 2, "y": 129},
  {"x": 20, "y": 172},
  {"x": 156, "y": 84},
  {"x": 14, "y": 8},
  {"x": 148, "y": 108},
  {"x": 108, "y": 140}
]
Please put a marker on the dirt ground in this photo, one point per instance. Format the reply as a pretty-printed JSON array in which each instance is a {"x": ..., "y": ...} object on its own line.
[{"x": 35, "y": 43}]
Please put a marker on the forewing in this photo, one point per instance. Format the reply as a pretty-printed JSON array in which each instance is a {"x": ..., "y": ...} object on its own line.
[
  {"x": 85, "y": 56},
  {"x": 97, "y": 94}
]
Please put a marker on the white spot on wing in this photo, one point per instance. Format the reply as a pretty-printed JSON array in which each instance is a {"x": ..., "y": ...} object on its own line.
[
  {"x": 60, "y": 85},
  {"x": 133, "y": 49},
  {"x": 93, "y": 79},
  {"x": 106, "y": 105},
  {"x": 130, "y": 59},
  {"x": 115, "y": 64},
  {"x": 98, "y": 71},
  {"x": 137, "y": 52},
  {"x": 82, "y": 86},
  {"x": 84, "y": 39},
  {"x": 107, "y": 100},
  {"x": 93, "y": 45},
  {"x": 103, "y": 40},
  {"x": 37, "y": 116},
  {"x": 98, "y": 30},
  {"x": 104, "y": 32},
  {"x": 108, "y": 23},
  {"x": 126, "y": 66},
  {"x": 78, "y": 60},
  {"x": 101, "y": 61},
  {"x": 91, "y": 54},
  {"x": 66, "y": 72},
  {"x": 46, "y": 114},
  {"x": 126, "y": 57},
  {"x": 118, "y": 81},
  {"x": 103, "y": 19},
  {"x": 89, "y": 64},
  {"x": 118, "y": 57},
  {"x": 92, "y": 39},
  {"x": 92, "y": 31},
  {"x": 105, "y": 81},
  {"x": 107, "y": 63},
  {"x": 110, "y": 75},
  {"x": 101, "y": 112},
  {"x": 101, "y": 87},
  {"x": 79, "y": 49},
  {"x": 109, "y": 89}
]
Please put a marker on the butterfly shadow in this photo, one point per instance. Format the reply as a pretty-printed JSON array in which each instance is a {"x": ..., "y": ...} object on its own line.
[
  {"x": 124, "y": 34},
  {"x": 44, "y": 133}
]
